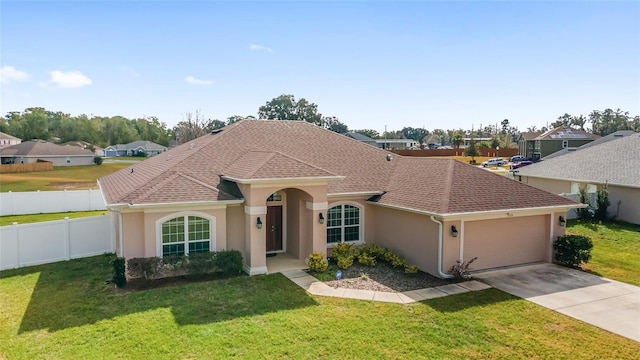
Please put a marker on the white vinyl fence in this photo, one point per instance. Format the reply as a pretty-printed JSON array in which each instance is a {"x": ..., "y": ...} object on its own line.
[
  {"x": 37, "y": 202},
  {"x": 51, "y": 241}
]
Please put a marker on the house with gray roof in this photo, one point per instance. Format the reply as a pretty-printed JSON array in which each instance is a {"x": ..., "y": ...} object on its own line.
[
  {"x": 363, "y": 138},
  {"x": 615, "y": 163},
  {"x": 289, "y": 188},
  {"x": 613, "y": 136},
  {"x": 39, "y": 150},
  {"x": 7, "y": 140},
  {"x": 135, "y": 148}
]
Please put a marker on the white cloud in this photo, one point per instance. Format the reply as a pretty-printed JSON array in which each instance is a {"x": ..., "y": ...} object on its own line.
[
  {"x": 192, "y": 80},
  {"x": 256, "y": 47},
  {"x": 9, "y": 73},
  {"x": 69, "y": 79}
]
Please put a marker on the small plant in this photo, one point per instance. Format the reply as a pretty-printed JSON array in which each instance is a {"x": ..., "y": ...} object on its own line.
[
  {"x": 119, "y": 278},
  {"x": 602, "y": 201},
  {"x": 461, "y": 269},
  {"x": 345, "y": 262},
  {"x": 366, "y": 259},
  {"x": 411, "y": 269},
  {"x": 374, "y": 250},
  {"x": 97, "y": 160},
  {"x": 316, "y": 262},
  {"x": 585, "y": 214},
  {"x": 394, "y": 259},
  {"x": 343, "y": 249},
  {"x": 572, "y": 250},
  {"x": 364, "y": 276}
]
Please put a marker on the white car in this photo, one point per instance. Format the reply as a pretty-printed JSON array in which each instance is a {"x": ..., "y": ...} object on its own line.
[{"x": 494, "y": 162}]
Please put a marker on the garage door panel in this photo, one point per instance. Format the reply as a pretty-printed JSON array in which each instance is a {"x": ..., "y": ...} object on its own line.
[{"x": 505, "y": 242}]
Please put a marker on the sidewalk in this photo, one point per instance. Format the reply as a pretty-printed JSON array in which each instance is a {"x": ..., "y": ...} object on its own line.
[{"x": 315, "y": 287}]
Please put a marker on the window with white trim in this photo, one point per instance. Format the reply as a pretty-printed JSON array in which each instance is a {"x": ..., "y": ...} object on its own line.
[
  {"x": 344, "y": 224},
  {"x": 186, "y": 234}
]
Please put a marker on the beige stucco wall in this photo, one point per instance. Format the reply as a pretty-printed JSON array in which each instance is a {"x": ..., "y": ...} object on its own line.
[
  {"x": 133, "y": 235},
  {"x": 235, "y": 228},
  {"x": 550, "y": 185},
  {"x": 503, "y": 242},
  {"x": 412, "y": 235}
]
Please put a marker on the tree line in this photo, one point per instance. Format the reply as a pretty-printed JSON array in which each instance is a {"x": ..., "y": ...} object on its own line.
[{"x": 39, "y": 123}]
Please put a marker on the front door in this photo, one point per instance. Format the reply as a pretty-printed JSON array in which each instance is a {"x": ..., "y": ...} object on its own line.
[{"x": 274, "y": 228}]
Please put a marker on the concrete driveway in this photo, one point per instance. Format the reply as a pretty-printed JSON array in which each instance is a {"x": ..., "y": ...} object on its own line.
[{"x": 605, "y": 303}]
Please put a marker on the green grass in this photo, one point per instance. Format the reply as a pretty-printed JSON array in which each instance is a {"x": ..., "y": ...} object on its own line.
[
  {"x": 64, "y": 311},
  {"x": 27, "y": 219},
  {"x": 69, "y": 177},
  {"x": 128, "y": 158},
  {"x": 616, "y": 249}
]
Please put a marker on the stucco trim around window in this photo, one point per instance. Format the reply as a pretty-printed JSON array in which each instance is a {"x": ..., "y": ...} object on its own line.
[
  {"x": 343, "y": 226},
  {"x": 185, "y": 215}
]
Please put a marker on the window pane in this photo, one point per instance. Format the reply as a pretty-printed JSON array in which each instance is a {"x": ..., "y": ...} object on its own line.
[
  {"x": 173, "y": 230},
  {"x": 199, "y": 246},
  {"x": 173, "y": 249},
  {"x": 351, "y": 215},
  {"x": 334, "y": 216},
  {"x": 352, "y": 233},
  {"x": 198, "y": 229},
  {"x": 334, "y": 235}
]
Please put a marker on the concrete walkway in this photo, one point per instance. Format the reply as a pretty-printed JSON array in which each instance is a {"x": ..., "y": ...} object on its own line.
[
  {"x": 316, "y": 287},
  {"x": 602, "y": 302}
]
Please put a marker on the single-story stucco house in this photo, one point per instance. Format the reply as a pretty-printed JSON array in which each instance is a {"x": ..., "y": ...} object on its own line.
[
  {"x": 7, "y": 140},
  {"x": 33, "y": 151},
  {"x": 614, "y": 161},
  {"x": 266, "y": 186}
]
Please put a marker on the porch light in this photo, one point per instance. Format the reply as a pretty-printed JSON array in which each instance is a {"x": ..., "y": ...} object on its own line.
[
  {"x": 562, "y": 221},
  {"x": 454, "y": 231},
  {"x": 321, "y": 218},
  {"x": 259, "y": 223}
]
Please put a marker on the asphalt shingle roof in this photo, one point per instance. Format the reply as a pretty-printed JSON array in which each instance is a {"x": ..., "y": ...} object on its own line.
[
  {"x": 268, "y": 149},
  {"x": 615, "y": 162},
  {"x": 43, "y": 148},
  {"x": 616, "y": 135}
]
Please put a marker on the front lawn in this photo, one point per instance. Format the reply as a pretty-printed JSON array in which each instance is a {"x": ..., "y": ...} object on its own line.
[
  {"x": 64, "y": 311},
  {"x": 616, "y": 249}
]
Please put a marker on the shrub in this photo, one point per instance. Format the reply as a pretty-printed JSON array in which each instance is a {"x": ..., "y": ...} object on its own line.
[
  {"x": 228, "y": 261},
  {"x": 317, "y": 262},
  {"x": 411, "y": 269},
  {"x": 394, "y": 259},
  {"x": 201, "y": 263},
  {"x": 343, "y": 249},
  {"x": 461, "y": 269},
  {"x": 345, "y": 262},
  {"x": 374, "y": 250},
  {"x": 366, "y": 259},
  {"x": 147, "y": 268},
  {"x": 97, "y": 160},
  {"x": 572, "y": 250},
  {"x": 119, "y": 278},
  {"x": 602, "y": 202},
  {"x": 585, "y": 214}
]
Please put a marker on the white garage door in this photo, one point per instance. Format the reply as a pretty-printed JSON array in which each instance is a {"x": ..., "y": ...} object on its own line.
[{"x": 505, "y": 242}]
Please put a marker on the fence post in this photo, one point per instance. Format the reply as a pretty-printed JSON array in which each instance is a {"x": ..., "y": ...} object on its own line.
[{"x": 67, "y": 237}]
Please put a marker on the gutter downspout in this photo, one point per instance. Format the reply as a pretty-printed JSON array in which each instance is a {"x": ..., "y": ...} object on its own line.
[{"x": 440, "y": 273}]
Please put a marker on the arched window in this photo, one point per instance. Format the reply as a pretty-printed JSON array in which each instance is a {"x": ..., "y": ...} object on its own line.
[
  {"x": 344, "y": 223},
  {"x": 186, "y": 234}
]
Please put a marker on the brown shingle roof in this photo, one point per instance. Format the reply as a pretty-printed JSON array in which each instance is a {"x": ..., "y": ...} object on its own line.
[
  {"x": 260, "y": 149},
  {"x": 42, "y": 148}
]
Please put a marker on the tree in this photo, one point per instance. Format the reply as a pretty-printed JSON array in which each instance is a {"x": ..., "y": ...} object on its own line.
[
  {"x": 332, "y": 123},
  {"x": 368, "y": 132},
  {"x": 532, "y": 129},
  {"x": 457, "y": 140},
  {"x": 472, "y": 150},
  {"x": 505, "y": 125},
  {"x": 193, "y": 126},
  {"x": 564, "y": 120},
  {"x": 235, "y": 118},
  {"x": 416, "y": 134},
  {"x": 285, "y": 107},
  {"x": 609, "y": 121}
]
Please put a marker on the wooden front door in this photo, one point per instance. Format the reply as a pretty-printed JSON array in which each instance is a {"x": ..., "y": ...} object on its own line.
[{"x": 274, "y": 228}]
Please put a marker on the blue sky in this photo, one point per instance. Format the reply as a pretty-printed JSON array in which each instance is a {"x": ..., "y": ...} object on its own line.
[{"x": 371, "y": 64}]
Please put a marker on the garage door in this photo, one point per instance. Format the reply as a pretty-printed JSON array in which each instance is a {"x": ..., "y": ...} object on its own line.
[{"x": 505, "y": 242}]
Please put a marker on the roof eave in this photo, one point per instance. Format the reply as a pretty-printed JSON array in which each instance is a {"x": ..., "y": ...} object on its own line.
[
  {"x": 296, "y": 180},
  {"x": 578, "y": 180},
  {"x": 173, "y": 205}
]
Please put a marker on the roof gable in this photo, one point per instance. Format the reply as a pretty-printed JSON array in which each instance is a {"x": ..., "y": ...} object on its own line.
[{"x": 272, "y": 165}]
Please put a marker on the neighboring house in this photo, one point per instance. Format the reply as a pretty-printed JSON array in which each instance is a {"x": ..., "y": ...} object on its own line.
[
  {"x": 615, "y": 163},
  {"x": 466, "y": 141},
  {"x": 264, "y": 186},
  {"x": 363, "y": 138},
  {"x": 554, "y": 140},
  {"x": 136, "y": 148},
  {"x": 397, "y": 144},
  {"x": 39, "y": 150},
  {"x": 7, "y": 140},
  {"x": 614, "y": 136},
  {"x": 526, "y": 143}
]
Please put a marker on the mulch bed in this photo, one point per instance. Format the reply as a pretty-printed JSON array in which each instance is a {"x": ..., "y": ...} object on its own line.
[
  {"x": 386, "y": 278},
  {"x": 142, "y": 284}
]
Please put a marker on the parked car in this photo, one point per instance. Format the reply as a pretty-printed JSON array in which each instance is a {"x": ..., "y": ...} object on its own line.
[
  {"x": 494, "y": 162},
  {"x": 517, "y": 158},
  {"x": 521, "y": 164}
]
